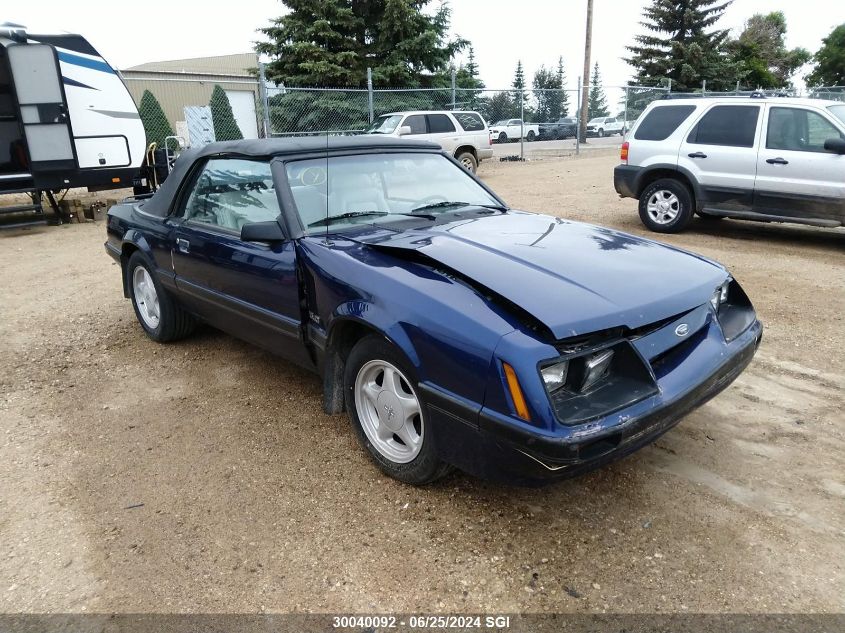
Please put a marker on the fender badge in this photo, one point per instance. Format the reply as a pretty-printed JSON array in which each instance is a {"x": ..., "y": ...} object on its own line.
[{"x": 682, "y": 330}]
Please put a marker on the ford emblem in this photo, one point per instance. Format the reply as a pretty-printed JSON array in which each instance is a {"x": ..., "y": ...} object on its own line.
[{"x": 682, "y": 330}]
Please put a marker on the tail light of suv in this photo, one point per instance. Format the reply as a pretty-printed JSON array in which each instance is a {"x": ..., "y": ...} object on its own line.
[{"x": 623, "y": 153}]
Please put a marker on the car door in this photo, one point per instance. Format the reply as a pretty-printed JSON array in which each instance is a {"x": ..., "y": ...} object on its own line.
[
  {"x": 442, "y": 131},
  {"x": 514, "y": 128},
  {"x": 720, "y": 155},
  {"x": 796, "y": 176},
  {"x": 247, "y": 289}
]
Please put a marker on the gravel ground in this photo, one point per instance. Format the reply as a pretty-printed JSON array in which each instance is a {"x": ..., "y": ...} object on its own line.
[{"x": 203, "y": 475}]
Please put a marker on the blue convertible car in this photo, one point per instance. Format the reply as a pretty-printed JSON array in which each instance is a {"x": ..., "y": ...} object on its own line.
[{"x": 454, "y": 330}]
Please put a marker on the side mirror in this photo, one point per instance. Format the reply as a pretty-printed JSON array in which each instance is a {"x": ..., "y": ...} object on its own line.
[
  {"x": 267, "y": 232},
  {"x": 835, "y": 145},
  {"x": 404, "y": 130}
]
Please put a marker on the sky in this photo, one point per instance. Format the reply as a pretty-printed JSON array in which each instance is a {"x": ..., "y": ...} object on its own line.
[{"x": 501, "y": 31}]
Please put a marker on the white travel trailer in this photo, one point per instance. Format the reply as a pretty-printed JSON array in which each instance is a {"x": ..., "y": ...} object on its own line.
[{"x": 66, "y": 118}]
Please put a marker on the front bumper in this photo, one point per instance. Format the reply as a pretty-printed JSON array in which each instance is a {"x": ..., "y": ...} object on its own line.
[{"x": 499, "y": 450}]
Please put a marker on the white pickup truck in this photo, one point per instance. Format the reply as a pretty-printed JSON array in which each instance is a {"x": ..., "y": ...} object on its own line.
[
  {"x": 509, "y": 130},
  {"x": 605, "y": 126}
]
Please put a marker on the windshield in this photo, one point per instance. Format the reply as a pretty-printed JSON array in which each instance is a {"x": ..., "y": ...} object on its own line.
[
  {"x": 385, "y": 124},
  {"x": 838, "y": 111},
  {"x": 380, "y": 188}
]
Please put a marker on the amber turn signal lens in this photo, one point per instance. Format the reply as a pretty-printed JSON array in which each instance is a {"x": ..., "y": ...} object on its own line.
[{"x": 516, "y": 392}]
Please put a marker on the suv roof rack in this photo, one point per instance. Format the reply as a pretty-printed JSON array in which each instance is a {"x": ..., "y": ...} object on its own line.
[{"x": 757, "y": 94}]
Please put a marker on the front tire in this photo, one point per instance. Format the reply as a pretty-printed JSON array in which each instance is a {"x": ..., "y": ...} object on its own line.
[
  {"x": 531, "y": 136},
  {"x": 666, "y": 206},
  {"x": 601, "y": 132},
  {"x": 161, "y": 317},
  {"x": 389, "y": 417},
  {"x": 503, "y": 138},
  {"x": 468, "y": 161}
]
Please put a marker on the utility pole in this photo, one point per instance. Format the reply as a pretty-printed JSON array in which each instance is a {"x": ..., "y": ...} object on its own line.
[{"x": 585, "y": 87}]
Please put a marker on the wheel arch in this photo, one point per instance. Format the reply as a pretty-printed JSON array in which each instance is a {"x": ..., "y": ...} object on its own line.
[
  {"x": 657, "y": 172},
  {"x": 344, "y": 332},
  {"x": 466, "y": 148},
  {"x": 131, "y": 244}
]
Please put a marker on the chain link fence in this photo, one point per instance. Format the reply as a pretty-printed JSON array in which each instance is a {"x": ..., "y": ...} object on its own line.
[{"x": 178, "y": 113}]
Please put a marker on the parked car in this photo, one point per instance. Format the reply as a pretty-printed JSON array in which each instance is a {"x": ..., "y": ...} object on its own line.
[
  {"x": 605, "y": 126},
  {"x": 513, "y": 130},
  {"x": 463, "y": 134},
  {"x": 772, "y": 160},
  {"x": 564, "y": 127},
  {"x": 454, "y": 330}
]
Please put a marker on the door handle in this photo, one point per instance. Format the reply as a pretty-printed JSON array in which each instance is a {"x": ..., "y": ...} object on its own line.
[
  {"x": 183, "y": 245},
  {"x": 697, "y": 155},
  {"x": 777, "y": 161}
]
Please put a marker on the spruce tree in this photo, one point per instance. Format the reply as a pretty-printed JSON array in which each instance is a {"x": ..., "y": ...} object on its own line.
[
  {"x": 314, "y": 44},
  {"x": 597, "y": 104},
  {"x": 519, "y": 94},
  {"x": 156, "y": 125},
  {"x": 561, "y": 79},
  {"x": 225, "y": 126},
  {"x": 468, "y": 83},
  {"x": 679, "y": 46}
]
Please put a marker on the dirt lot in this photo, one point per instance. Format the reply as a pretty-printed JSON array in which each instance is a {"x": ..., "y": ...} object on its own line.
[{"x": 253, "y": 499}]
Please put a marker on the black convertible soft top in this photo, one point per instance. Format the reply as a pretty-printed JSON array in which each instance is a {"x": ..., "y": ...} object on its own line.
[{"x": 159, "y": 204}]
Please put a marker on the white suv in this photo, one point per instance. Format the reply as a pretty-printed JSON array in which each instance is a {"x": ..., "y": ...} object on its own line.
[
  {"x": 754, "y": 158},
  {"x": 463, "y": 134},
  {"x": 605, "y": 126}
]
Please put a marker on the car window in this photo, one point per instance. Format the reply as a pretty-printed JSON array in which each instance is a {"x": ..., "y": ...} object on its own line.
[
  {"x": 439, "y": 123},
  {"x": 376, "y": 188},
  {"x": 417, "y": 123},
  {"x": 799, "y": 130},
  {"x": 514, "y": 122},
  {"x": 662, "y": 121},
  {"x": 730, "y": 125},
  {"x": 385, "y": 124},
  {"x": 470, "y": 121},
  {"x": 231, "y": 192}
]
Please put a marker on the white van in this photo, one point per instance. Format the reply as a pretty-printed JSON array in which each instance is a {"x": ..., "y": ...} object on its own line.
[{"x": 463, "y": 134}]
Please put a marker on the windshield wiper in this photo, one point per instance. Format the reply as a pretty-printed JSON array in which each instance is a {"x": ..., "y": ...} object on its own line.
[
  {"x": 360, "y": 214},
  {"x": 345, "y": 216},
  {"x": 447, "y": 204}
]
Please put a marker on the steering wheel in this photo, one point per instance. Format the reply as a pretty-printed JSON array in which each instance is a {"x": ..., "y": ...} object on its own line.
[{"x": 312, "y": 176}]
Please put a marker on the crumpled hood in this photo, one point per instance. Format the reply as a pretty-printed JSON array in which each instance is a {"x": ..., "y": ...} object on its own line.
[{"x": 574, "y": 278}]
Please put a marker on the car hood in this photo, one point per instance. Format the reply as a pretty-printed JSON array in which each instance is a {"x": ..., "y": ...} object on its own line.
[{"x": 574, "y": 278}]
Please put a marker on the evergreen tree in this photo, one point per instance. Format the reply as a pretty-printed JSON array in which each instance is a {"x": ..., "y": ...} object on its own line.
[
  {"x": 561, "y": 78},
  {"x": 679, "y": 46},
  {"x": 156, "y": 125},
  {"x": 519, "y": 93},
  {"x": 331, "y": 43},
  {"x": 830, "y": 60},
  {"x": 761, "y": 55},
  {"x": 468, "y": 83},
  {"x": 548, "y": 94},
  {"x": 225, "y": 126},
  {"x": 499, "y": 107},
  {"x": 597, "y": 103},
  {"x": 315, "y": 44}
]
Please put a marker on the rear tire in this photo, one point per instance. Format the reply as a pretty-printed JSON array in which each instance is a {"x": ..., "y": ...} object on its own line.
[
  {"x": 666, "y": 206},
  {"x": 468, "y": 161},
  {"x": 158, "y": 313},
  {"x": 389, "y": 417}
]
